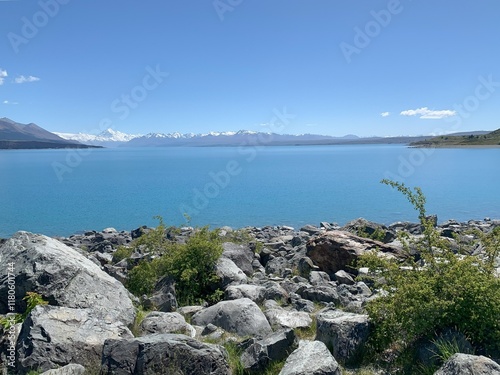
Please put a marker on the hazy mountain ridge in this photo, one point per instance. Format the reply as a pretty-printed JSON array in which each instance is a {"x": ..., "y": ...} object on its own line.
[{"x": 14, "y": 135}]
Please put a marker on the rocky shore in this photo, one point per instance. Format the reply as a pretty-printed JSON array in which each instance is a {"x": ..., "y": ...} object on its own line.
[{"x": 290, "y": 296}]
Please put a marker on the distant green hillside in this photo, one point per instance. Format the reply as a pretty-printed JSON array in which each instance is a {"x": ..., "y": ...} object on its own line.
[{"x": 489, "y": 139}]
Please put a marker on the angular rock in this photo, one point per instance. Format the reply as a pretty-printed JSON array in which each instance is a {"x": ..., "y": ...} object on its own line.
[
  {"x": 369, "y": 228},
  {"x": 343, "y": 277},
  {"x": 319, "y": 278},
  {"x": 241, "y": 255},
  {"x": 272, "y": 348},
  {"x": 240, "y": 316},
  {"x": 311, "y": 358},
  {"x": 321, "y": 293},
  {"x": 288, "y": 318},
  {"x": 164, "y": 296},
  {"x": 467, "y": 364},
  {"x": 346, "y": 333},
  {"x": 72, "y": 369},
  {"x": 166, "y": 322},
  {"x": 62, "y": 276},
  {"x": 163, "y": 354},
  {"x": 253, "y": 292},
  {"x": 276, "y": 266},
  {"x": 229, "y": 272},
  {"x": 54, "y": 336},
  {"x": 337, "y": 250}
]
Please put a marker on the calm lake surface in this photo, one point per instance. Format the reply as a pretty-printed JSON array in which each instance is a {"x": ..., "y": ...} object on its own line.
[{"x": 61, "y": 192}]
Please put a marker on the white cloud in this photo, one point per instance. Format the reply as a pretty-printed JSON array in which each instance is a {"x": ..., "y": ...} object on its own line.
[
  {"x": 385, "y": 114},
  {"x": 3, "y": 74},
  {"x": 429, "y": 114},
  {"x": 24, "y": 79},
  {"x": 9, "y": 102}
]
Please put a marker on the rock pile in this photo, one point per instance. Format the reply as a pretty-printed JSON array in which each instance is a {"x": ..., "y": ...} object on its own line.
[{"x": 277, "y": 285}]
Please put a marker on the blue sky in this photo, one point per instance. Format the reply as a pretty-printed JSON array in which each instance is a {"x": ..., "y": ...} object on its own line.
[{"x": 340, "y": 67}]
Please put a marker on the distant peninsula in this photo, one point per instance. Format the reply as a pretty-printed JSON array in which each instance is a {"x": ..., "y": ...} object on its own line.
[
  {"x": 491, "y": 139},
  {"x": 14, "y": 135}
]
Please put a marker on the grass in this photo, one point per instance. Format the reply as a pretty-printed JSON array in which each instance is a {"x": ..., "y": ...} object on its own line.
[
  {"x": 308, "y": 333},
  {"x": 234, "y": 358},
  {"x": 139, "y": 317}
]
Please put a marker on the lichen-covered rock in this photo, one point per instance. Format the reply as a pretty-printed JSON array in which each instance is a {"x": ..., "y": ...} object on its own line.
[
  {"x": 274, "y": 347},
  {"x": 62, "y": 276},
  {"x": 72, "y": 369},
  {"x": 240, "y": 316},
  {"x": 54, "y": 336},
  {"x": 163, "y": 354},
  {"x": 467, "y": 364},
  {"x": 346, "y": 333},
  {"x": 166, "y": 322},
  {"x": 311, "y": 358}
]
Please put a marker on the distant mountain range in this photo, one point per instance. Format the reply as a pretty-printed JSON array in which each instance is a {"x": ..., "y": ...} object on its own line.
[
  {"x": 107, "y": 138},
  {"x": 14, "y": 135}
]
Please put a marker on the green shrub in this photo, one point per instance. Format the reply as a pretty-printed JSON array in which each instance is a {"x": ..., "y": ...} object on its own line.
[
  {"x": 192, "y": 265},
  {"x": 377, "y": 235},
  {"x": 121, "y": 253},
  {"x": 447, "y": 291},
  {"x": 32, "y": 299}
]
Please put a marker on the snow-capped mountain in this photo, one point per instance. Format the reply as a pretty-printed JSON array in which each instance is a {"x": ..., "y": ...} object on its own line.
[{"x": 108, "y": 137}]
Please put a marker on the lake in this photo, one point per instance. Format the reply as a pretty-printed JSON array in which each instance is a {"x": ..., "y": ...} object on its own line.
[{"x": 61, "y": 192}]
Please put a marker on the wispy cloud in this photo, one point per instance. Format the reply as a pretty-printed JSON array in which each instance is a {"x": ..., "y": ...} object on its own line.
[
  {"x": 385, "y": 114},
  {"x": 9, "y": 102},
  {"x": 429, "y": 114},
  {"x": 3, "y": 74},
  {"x": 24, "y": 79}
]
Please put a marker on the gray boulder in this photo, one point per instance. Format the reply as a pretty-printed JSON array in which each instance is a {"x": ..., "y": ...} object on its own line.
[
  {"x": 62, "y": 276},
  {"x": 288, "y": 318},
  {"x": 311, "y": 358},
  {"x": 322, "y": 293},
  {"x": 72, "y": 369},
  {"x": 163, "y": 322},
  {"x": 343, "y": 277},
  {"x": 467, "y": 364},
  {"x": 164, "y": 296},
  {"x": 276, "y": 266},
  {"x": 346, "y": 333},
  {"x": 319, "y": 278},
  {"x": 241, "y": 255},
  {"x": 229, "y": 273},
  {"x": 240, "y": 316},
  {"x": 163, "y": 354},
  {"x": 253, "y": 292},
  {"x": 272, "y": 348},
  {"x": 53, "y": 336}
]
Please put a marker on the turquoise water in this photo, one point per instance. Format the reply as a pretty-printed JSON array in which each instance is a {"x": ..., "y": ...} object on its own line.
[{"x": 60, "y": 192}]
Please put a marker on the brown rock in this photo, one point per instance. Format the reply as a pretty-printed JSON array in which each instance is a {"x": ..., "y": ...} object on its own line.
[{"x": 338, "y": 250}]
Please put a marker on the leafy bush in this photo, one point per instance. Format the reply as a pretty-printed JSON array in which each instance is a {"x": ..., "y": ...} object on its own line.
[
  {"x": 32, "y": 299},
  {"x": 192, "y": 265},
  {"x": 442, "y": 290}
]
